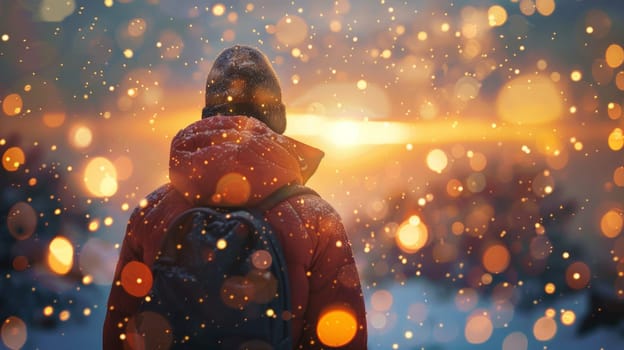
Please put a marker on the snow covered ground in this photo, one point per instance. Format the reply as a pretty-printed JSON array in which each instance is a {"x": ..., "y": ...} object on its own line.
[{"x": 419, "y": 318}]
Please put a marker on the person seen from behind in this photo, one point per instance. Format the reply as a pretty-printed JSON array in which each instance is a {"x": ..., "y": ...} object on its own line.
[{"x": 236, "y": 156}]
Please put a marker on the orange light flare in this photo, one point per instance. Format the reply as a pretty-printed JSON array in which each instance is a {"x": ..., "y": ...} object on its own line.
[
  {"x": 577, "y": 275},
  {"x": 352, "y": 133},
  {"x": 136, "y": 279},
  {"x": 496, "y": 258},
  {"x": 337, "y": 326},
  {"x": 328, "y": 132},
  {"x": 478, "y": 328},
  {"x": 545, "y": 327},
  {"x": 60, "y": 255},
  {"x": 412, "y": 235}
]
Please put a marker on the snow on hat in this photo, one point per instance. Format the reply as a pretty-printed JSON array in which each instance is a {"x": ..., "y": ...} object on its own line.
[{"x": 243, "y": 82}]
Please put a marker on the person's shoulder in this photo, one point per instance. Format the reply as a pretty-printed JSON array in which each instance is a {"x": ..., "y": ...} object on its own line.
[
  {"x": 313, "y": 202},
  {"x": 152, "y": 200}
]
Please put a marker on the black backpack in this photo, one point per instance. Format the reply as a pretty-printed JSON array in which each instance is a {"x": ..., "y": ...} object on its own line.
[{"x": 220, "y": 282}]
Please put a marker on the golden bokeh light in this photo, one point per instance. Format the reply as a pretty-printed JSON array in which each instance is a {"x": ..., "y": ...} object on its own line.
[
  {"x": 412, "y": 235},
  {"x": 56, "y": 10},
  {"x": 137, "y": 27},
  {"x": 48, "y": 311},
  {"x": 527, "y": 7},
  {"x": 171, "y": 45},
  {"x": 614, "y": 55},
  {"x": 457, "y": 228},
  {"x": 232, "y": 189},
  {"x": 614, "y": 110},
  {"x": 128, "y": 53},
  {"x": 545, "y": 7},
  {"x": 568, "y": 317},
  {"x": 454, "y": 188},
  {"x": 13, "y": 158},
  {"x": 497, "y": 15},
  {"x": 12, "y": 105},
  {"x": 437, "y": 160},
  {"x": 467, "y": 88},
  {"x": 576, "y": 75},
  {"x": 616, "y": 139},
  {"x": 221, "y": 244},
  {"x": 60, "y": 255},
  {"x": 335, "y": 26},
  {"x": 100, "y": 177},
  {"x": 218, "y": 9},
  {"x": 611, "y": 223},
  {"x": 80, "y": 136},
  {"x": 136, "y": 279},
  {"x": 550, "y": 288},
  {"x": 291, "y": 30},
  {"x": 94, "y": 225},
  {"x": 64, "y": 315},
  {"x": 478, "y": 161},
  {"x": 529, "y": 100},
  {"x": 496, "y": 258},
  {"x": 545, "y": 328},
  {"x": 336, "y": 327},
  {"x": 53, "y": 119},
  {"x": 598, "y": 23},
  {"x": 478, "y": 328},
  {"x": 14, "y": 332},
  {"x": 87, "y": 280},
  {"x": 577, "y": 275},
  {"x": 543, "y": 184}
]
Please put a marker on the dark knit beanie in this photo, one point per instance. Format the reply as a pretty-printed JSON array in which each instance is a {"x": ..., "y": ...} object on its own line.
[{"x": 243, "y": 82}]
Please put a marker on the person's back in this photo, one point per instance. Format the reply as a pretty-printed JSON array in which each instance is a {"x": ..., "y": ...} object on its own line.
[{"x": 237, "y": 156}]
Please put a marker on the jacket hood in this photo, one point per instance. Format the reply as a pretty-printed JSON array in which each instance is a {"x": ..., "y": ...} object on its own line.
[
  {"x": 243, "y": 82},
  {"x": 236, "y": 160}
]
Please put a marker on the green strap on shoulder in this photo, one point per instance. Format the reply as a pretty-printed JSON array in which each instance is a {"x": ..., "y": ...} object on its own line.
[{"x": 282, "y": 194}]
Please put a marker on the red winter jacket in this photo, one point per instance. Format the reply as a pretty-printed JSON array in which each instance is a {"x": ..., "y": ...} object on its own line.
[{"x": 234, "y": 160}]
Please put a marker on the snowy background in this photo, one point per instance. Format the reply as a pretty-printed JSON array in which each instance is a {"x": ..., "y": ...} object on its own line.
[{"x": 473, "y": 149}]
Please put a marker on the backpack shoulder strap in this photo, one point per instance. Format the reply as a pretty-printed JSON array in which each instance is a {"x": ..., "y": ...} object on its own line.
[{"x": 282, "y": 194}]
